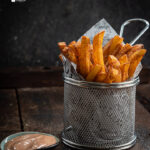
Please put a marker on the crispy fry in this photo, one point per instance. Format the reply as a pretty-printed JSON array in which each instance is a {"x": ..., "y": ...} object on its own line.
[
  {"x": 78, "y": 47},
  {"x": 113, "y": 61},
  {"x": 118, "y": 76},
  {"x": 117, "y": 49},
  {"x": 72, "y": 44},
  {"x": 106, "y": 49},
  {"x": 60, "y": 57},
  {"x": 136, "y": 54},
  {"x": 92, "y": 74},
  {"x": 123, "y": 59},
  {"x": 72, "y": 56},
  {"x": 69, "y": 53},
  {"x": 116, "y": 40},
  {"x": 97, "y": 49},
  {"x": 124, "y": 70},
  {"x": 64, "y": 51},
  {"x": 114, "y": 75},
  {"x": 101, "y": 75},
  {"x": 134, "y": 48},
  {"x": 123, "y": 50},
  {"x": 135, "y": 59},
  {"x": 110, "y": 47},
  {"x": 124, "y": 66},
  {"x": 133, "y": 66},
  {"x": 98, "y": 55},
  {"x": 84, "y": 57},
  {"x": 62, "y": 45}
]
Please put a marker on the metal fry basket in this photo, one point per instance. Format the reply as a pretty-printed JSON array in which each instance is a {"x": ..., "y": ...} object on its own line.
[{"x": 99, "y": 115}]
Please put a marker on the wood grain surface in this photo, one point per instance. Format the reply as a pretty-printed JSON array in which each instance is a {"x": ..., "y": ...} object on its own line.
[
  {"x": 41, "y": 108},
  {"x": 9, "y": 117}
]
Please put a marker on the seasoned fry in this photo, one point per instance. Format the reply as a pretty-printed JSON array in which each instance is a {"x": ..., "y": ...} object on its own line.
[
  {"x": 72, "y": 44},
  {"x": 110, "y": 47},
  {"x": 60, "y": 57},
  {"x": 106, "y": 49},
  {"x": 78, "y": 48},
  {"x": 92, "y": 74},
  {"x": 70, "y": 54},
  {"x": 101, "y": 75},
  {"x": 123, "y": 59},
  {"x": 117, "y": 49},
  {"x": 124, "y": 70},
  {"x": 136, "y": 54},
  {"x": 113, "y": 61},
  {"x": 123, "y": 50},
  {"x": 133, "y": 66},
  {"x": 98, "y": 55},
  {"x": 84, "y": 57},
  {"x": 124, "y": 66},
  {"x": 135, "y": 48},
  {"x": 114, "y": 75},
  {"x": 62, "y": 45},
  {"x": 97, "y": 49},
  {"x": 116, "y": 40},
  {"x": 135, "y": 59}
]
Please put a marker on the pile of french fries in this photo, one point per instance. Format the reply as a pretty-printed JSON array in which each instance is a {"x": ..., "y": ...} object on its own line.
[{"x": 115, "y": 62}]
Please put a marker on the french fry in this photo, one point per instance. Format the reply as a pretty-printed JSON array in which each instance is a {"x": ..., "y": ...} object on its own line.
[
  {"x": 62, "y": 45},
  {"x": 60, "y": 57},
  {"x": 134, "y": 48},
  {"x": 101, "y": 75},
  {"x": 113, "y": 61},
  {"x": 84, "y": 63},
  {"x": 123, "y": 59},
  {"x": 72, "y": 45},
  {"x": 124, "y": 66},
  {"x": 92, "y": 74},
  {"x": 133, "y": 66},
  {"x": 110, "y": 47},
  {"x": 124, "y": 70},
  {"x": 97, "y": 55},
  {"x": 97, "y": 49},
  {"x": 78, "y": 48},
  {"x": 117, "y": 49},
  {"x": 113, "y": 75},
  {"x": 118, "y": 76},
  {"x": 123, "y": 50},
  {"x": 106, "y": 49},
  {"x": 136, "y": 54},
  {"x": 72, "y": 55},
  {"x": 69, "y": 54},
  {"x": 135, "y": 59},
  {"x": 116, "y": 40}
]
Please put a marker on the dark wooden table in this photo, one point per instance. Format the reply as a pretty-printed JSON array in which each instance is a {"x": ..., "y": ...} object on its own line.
[{"x": 31, "y": 99}]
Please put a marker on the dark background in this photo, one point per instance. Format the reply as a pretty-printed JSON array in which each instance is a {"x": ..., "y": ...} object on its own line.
[{"x": 30, "y": 30}]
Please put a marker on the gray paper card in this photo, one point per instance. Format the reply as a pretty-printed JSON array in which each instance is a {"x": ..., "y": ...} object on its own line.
[{"x": 98, "y": 27}]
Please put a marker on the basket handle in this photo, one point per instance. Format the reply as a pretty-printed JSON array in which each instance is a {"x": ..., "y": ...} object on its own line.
[{"x": 134, "y": 20}]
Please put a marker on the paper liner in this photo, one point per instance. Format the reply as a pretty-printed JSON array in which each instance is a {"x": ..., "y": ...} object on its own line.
[{"x": 70, "y": 67}]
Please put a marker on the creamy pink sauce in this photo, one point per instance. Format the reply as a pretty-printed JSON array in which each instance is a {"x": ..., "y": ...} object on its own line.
[{"x": 30, "y": 142}]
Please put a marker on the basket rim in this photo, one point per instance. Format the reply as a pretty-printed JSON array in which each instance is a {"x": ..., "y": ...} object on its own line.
[{"x": 87, "y": 84}]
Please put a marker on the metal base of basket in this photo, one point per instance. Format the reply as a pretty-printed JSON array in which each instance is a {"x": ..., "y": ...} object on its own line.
[{"x": 118, "y": 147}]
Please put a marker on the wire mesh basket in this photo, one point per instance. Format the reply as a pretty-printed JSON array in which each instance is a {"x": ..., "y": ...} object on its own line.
[{"x": 100, "y": 115}]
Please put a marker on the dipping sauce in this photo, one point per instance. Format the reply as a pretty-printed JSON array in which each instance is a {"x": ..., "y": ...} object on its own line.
[{"x": 30, "y": 142}]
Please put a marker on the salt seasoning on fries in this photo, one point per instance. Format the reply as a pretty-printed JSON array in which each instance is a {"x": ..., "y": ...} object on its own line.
[{"x": 114, "y": 62}]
